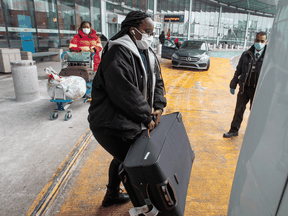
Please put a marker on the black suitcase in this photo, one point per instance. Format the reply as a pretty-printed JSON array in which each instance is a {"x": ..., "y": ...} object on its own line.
[{"x": 157, "y": 168}]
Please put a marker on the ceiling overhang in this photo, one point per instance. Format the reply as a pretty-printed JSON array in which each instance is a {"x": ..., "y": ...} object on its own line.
[{"x": 265, "y": 7}]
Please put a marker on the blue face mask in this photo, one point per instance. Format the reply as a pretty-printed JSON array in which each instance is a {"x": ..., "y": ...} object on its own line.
[{"x": 259, "y": 46}]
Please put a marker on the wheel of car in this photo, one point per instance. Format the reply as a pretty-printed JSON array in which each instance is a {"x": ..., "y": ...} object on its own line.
[{"x": 208, "y": 66}]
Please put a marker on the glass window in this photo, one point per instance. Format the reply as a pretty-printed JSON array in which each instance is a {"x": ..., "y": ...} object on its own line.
[
  {"x": 142, "y": 5},
  {"x": 168, "y": 43},
  {"x": 82, "y": 10},
  {"x": 175, "y": 5},
  {"x": 66, "y": 16},
  {"x": 194, "y": 45},
  {"x": 138, "y": 4},
  {"x": 109, "y": 7},
  {"x": 3, "y": 35},
  {"x": 47, "y": 24},
  {"x": 20, "y": 21},
  {"x": 182, "y": 5},
  {"x": 96, "y": 15},
  {"x": 151, "y": 5}
]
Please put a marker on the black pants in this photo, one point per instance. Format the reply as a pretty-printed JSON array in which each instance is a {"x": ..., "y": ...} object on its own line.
[
  {"x": 242, "y": 100},
  {"x": 118, "y": 148}
]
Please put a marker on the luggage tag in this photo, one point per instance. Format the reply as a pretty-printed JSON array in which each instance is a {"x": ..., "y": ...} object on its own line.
[{"x": 143, "y": 210}]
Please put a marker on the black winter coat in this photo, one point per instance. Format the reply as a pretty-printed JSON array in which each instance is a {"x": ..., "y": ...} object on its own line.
[
  {"x": 118, "y": 106},
  {"x": 162, "y": 38},
  {"x": 243, "y": 74}
]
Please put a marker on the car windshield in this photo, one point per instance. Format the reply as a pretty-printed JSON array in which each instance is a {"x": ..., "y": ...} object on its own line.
[{"x": 200, "y": 45}]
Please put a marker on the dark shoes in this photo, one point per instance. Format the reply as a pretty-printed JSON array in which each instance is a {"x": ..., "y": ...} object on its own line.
[
  {"x": 230, "y": 134},
  {"x": 114, "y": 197}
]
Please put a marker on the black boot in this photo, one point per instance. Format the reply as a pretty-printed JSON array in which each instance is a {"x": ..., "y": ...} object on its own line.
[{"x": 114, "y": 197}]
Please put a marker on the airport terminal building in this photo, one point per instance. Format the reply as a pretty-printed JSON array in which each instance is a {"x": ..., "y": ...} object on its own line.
[{"x": 37, "y": 25}]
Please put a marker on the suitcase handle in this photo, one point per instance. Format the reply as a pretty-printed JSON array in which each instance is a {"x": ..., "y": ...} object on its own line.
[{"x": 168, "y": 194}]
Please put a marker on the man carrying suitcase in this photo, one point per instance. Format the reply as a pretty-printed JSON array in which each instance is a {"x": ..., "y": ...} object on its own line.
[{"x": 127, "y": 87}]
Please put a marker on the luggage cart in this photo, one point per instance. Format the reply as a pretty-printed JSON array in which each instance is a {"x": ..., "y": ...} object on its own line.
[
  {"x": 63, "y": 104},
  {"x": 65, "y": 63}
]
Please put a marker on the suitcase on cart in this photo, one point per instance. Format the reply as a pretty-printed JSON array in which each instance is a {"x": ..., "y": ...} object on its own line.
[
  {"x": 83, "y": 71},
  {"x": 157, "y": 168}
]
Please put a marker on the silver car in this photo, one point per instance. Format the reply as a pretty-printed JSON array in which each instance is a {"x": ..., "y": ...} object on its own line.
[{"x": 191, "y": 54}]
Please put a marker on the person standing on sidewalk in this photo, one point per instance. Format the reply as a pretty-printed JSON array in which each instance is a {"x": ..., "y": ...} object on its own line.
[
  {"x": 127, "y": 91},
  {"x": 162, "y": 37},
  {"x": 246, "y": 75}
]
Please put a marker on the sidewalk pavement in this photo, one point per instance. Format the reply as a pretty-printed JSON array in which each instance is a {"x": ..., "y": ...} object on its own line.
[{"x": 31, "y": 145}]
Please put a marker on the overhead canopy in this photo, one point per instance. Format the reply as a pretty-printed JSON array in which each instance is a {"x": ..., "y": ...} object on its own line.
[{"x": 267, "y": 7}]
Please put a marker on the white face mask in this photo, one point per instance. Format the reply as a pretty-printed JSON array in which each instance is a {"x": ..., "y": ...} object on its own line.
[
  {"x": 86, "y": 30},
  {"x": 145, "y": 41}
]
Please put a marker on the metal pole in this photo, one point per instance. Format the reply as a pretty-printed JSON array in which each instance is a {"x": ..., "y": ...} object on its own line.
[
  {"x": 219, "y": 24},
  {"x": 91, "y": 13},
  {"x": 103, "y": 18},
  {"x": 155, "y": 9},
  {"x": 189, "y": 19},
  {"x": 246, "y": 33}
]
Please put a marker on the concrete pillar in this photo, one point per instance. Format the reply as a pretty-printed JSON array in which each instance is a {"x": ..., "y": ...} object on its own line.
[
  {"x": 246, "y": 33},
  {"x": 103, "y": 18},
  {"x": 219, "y": 24},
  {"x": 7, "y": 56},
  {"x": 214, "y": 46},
  {"x": 56, "y": 58},
  {"x": 25, "y": 80},
  {"x": 155, "y": 10},
  {"x": 190, "y": 17},
  {"x": 226, "y": 46}
]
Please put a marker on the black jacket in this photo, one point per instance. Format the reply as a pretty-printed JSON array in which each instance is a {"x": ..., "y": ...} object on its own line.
[
  {"x": 162, "y": 38},
  {"x": 118, "y": 106},
  {"x": 243, "y": 75}
]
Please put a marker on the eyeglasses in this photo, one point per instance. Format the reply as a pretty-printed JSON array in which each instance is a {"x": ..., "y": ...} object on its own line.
[
  {"x": 148, "y": 32},
  {"x": 151, "y": 33}
]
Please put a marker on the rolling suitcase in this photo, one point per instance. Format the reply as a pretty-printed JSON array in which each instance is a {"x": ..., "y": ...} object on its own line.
[{"x": 157, "y": 168}]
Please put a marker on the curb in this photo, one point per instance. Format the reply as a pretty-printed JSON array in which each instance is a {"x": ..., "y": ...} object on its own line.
[{"x": 51, "y": 189}]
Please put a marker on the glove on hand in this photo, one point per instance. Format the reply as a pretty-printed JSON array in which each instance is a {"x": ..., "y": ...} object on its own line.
[{"x": 232, "y": 91}]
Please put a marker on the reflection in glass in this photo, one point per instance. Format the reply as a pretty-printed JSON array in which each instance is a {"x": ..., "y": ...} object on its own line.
[
  {"x": 47, "y": 24},
  {"x": 82, "y": 10},
  {"x": 20, "y": 21},
  {"x": 13, "y": 8},
  {"x": 46, "y": 14},
  {"x": 3, "y": 39},
  {"x": 96, "y": 15},
  {"x": 66, "y": 15},
  {"x": 199, "y": 45},
  {"x": 3, "y": 35}
]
